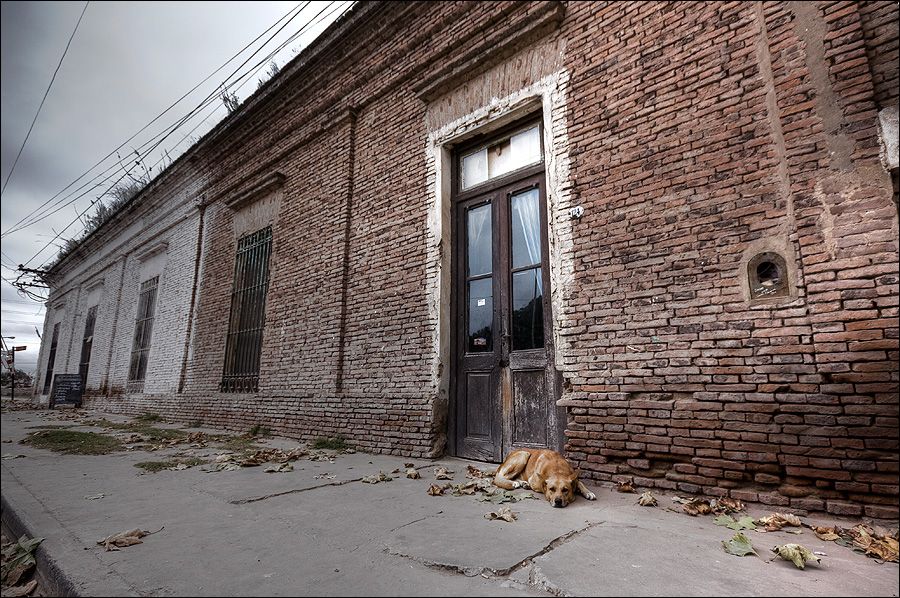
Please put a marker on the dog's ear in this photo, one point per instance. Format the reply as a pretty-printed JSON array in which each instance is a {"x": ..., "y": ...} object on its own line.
[{"x": 577, "y": 475}]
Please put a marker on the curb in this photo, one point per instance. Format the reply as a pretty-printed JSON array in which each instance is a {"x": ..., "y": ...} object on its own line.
[{"x": 51, "y": 578}]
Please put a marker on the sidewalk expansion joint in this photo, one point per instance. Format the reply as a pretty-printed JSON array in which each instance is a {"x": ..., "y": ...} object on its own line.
[
  {"x": 490, "y": 572},
  {"x": 244, "y": 501}
]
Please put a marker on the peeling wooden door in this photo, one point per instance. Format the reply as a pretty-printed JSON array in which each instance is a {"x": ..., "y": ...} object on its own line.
[{"x": 504, "y": 383}]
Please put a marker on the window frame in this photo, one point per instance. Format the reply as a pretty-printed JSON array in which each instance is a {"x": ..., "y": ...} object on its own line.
[
  {"x": 249, "y": 291},
  {"x": 142, "y": 339}
]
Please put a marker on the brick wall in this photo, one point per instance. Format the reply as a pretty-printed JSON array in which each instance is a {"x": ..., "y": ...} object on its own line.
[{"x": 696, "y": 135}]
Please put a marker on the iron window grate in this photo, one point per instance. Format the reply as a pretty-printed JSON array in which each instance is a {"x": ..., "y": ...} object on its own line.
[{"x": 248, "y": 312}]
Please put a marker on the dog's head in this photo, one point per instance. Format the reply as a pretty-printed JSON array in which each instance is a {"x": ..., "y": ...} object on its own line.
[{"x": 559, "y": 488}]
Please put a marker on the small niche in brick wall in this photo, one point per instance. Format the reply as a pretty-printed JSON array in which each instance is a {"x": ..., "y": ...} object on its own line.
[{"x": 767, "y": 276}]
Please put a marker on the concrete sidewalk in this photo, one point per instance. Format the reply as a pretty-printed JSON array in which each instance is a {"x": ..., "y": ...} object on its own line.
[{"x": 305, "y": 532}]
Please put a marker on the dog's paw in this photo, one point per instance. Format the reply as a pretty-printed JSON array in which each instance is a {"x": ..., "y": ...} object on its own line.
[
  {"x": 526, "y": 485},
  {"x": 517, "y": 484},
  {"x": 590, "y": 496}
]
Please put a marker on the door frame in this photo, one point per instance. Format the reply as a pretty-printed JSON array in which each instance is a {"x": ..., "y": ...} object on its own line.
[{"x": 556, "y": 433}]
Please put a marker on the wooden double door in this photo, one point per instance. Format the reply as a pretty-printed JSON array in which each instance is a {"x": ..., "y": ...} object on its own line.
[{"x": 504, "y": 384}]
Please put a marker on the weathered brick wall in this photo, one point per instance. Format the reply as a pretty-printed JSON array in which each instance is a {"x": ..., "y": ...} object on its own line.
[
  {"x": 724, "y": 130},
  {"x": 106, "y": 272},
  {"x": 697, "y": 135},
  {"x": 879, "y": 24}
]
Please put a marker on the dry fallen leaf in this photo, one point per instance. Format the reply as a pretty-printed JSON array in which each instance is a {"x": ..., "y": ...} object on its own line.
[
  {"x": 409, "y": 465},
  {"x": 697, "y": 506},
  {"x": 647, "y": 499},
  {"x": 442, "y": 473},
  {"x": 279, "y": 468},
  {"x": 95, "y": 496},
  {"x": 828, "y": 534},
  {"x": 435, "y": 490},
  {"x": 375, "y": 478},
  {"x": 776, "y": 521},
  {"x": 727, "y": 505},
  {"x": 18, "y": 559},
  {"x": 412, "y": 474},
  {"x": 17, "y": 591},
  {"x": 797, "y": 554},
  {"x": 625, "y": 487},
  {"x": 123, "y": 539},
  {"x": 503, "y": 513}
]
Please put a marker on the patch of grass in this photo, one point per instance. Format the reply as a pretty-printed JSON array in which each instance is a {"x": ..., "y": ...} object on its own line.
[
  {"x": 148, "y": 417},
  {"x": 335, "y": 444},
  {"x": 259, "y": 430},
  {"x": 157, "y": 466},
  {"x": 70, "y": 442}
]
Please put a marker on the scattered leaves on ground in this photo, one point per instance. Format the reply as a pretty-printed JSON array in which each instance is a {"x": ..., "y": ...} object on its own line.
[
  {"x": 123, "y": 539},
  {"x": 442, "y": 473},
  {"x": 625, "y": 487},
  {"x": 739, "y": 545},
  {"x": 739, "y": 525},
  {"x": 412, "y": 474},
  {"x": 18, "y": 559},
  {"x": 95, "y": 496},
  {"x": 797, "y": 554},
  {"x": 376, "y": 478},
  {"x": 776, "y": 521},
  {"x": 503, "y": 513},
  {"x": 324, "y": 476},
  {"x": 883, "y": 546}
]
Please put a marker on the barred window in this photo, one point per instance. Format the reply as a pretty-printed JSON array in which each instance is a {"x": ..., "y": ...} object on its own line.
[
  {"x": 143, "y": 330},
  {"x": 248, "y": 312},
  {"x": 51, "y": 358}
]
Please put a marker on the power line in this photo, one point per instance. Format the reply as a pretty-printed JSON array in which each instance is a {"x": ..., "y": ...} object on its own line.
[
  {"x": 184, "y": 119},
  {"x": 46, "y": 93},
  {"x": 16, "y": 226}
]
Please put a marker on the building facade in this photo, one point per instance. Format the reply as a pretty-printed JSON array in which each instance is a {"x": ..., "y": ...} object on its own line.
[{"x": 661, "y": 237}]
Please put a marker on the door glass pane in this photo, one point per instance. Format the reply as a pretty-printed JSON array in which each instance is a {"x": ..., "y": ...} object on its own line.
[
  {"x": 520, "y": 150},
  {"x": 478, "y": 238},
  {"x": 474, "y": 168},
  {"x": 525, "y": 222},
  {"x": 527, "y": 310},
  {"x": 481, "y": 316}
]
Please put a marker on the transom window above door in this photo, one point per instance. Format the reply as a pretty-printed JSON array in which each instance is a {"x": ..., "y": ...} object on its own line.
[{"x": 521, "y": 148}]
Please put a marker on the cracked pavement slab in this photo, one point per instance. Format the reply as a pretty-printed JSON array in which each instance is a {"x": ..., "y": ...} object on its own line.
[{"x": 246, "y": 532}]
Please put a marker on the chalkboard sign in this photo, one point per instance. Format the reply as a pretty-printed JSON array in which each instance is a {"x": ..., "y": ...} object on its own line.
[{"x": 66, "y": 389}]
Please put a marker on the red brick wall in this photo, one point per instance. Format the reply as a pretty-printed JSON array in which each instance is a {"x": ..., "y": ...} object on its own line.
[
  {"x": 681, "y": 382},
  {"x": 879, "y": 23},
  {"x": 700, "y": 134}
]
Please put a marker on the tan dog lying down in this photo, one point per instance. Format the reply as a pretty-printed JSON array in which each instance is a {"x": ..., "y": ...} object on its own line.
[{"x": 544, "y": 471}]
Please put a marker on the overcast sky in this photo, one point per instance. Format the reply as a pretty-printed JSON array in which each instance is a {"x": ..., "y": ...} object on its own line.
[{"x": 126, "y": 64}]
